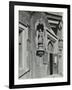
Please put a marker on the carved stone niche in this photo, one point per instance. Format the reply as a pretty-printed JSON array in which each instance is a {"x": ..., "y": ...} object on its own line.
[{"x": 40, "y": 38}]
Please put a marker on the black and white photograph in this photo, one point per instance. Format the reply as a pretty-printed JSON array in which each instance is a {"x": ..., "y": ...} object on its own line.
[{"x": 39, "y": 45}]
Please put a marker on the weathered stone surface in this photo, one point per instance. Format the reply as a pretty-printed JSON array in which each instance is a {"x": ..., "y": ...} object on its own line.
[{"x": 39, "y": 66}]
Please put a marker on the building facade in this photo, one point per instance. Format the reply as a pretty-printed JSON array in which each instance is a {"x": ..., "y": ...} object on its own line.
[{"x": 40, "y": 45}]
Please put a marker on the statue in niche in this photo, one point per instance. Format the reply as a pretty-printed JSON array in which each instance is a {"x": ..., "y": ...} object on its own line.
[{"x": 40, "y": 39}]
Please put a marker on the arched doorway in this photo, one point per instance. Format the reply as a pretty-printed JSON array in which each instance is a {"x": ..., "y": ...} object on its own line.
[{"x": 50, "y": 50}]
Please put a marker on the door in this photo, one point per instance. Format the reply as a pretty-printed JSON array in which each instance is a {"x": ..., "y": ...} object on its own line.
[{"x": 51, "y": 63}]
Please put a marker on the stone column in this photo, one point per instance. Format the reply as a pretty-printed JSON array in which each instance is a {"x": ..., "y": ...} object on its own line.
[{"x": 60, "y": 65}]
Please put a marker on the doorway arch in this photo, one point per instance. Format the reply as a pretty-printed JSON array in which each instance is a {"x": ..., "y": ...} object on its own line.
[{"x": 50, "y": 50}]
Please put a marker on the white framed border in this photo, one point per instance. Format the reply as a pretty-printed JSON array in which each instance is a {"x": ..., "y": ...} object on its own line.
[{"x": 16, "y": 50}]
